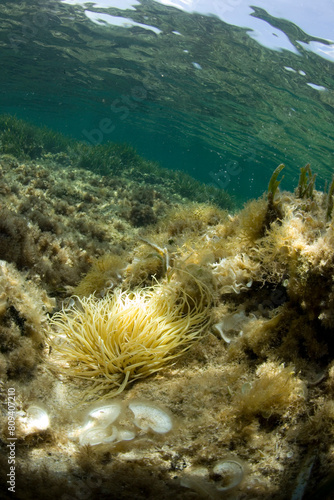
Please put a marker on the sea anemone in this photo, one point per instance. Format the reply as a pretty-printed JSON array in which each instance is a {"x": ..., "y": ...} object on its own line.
[{"x": 130, "y": 335}]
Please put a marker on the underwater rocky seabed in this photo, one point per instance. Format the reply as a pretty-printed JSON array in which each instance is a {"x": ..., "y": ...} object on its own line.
[{"x": 256, "y": 390}]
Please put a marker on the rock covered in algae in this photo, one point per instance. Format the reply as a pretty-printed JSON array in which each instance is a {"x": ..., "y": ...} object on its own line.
[{"x": 264, "y": 398}]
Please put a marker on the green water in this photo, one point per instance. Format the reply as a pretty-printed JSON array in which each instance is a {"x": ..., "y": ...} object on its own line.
[{"x": 187, "y": 90}]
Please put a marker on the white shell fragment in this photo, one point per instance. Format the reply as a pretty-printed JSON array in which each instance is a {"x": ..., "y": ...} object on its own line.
[
  {"x": 104, "y": 414},
  {"x": 149, "y": 416},
  {"x": 231, "y": 473},
  {"x": 101, "y": 426},
  {"x": 35, "y": 420},
  {"x": 98, "y": 435},
  {"x": 37, "y": 417},
  {"x": 125, "y": 435},
  {"x": 103, "y": 435},
  {"x": 228, "y": 474},
  {"x": 98, "y": 428}
]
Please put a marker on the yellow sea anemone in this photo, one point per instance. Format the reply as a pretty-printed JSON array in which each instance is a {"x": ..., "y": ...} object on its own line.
[{"x": 116, "y": 340}]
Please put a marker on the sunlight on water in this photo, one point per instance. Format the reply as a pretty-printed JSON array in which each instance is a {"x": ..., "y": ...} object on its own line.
[{"x": 222, "y": 90}]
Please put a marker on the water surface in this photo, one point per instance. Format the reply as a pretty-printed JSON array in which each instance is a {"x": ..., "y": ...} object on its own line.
[{"x": 222, "y": 90}]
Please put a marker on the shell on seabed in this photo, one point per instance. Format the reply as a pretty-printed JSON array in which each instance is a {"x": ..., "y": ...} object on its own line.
[
  {"x": 104, "y": 414},
  {"x": 150, "y": 416},
  {"x": 36, "y": 419},
  {"x": 230, "y": 472}
]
